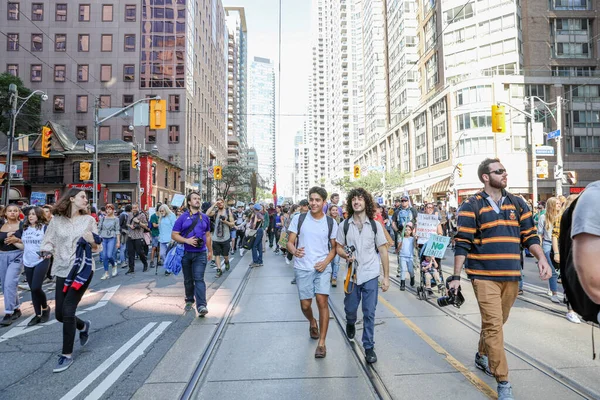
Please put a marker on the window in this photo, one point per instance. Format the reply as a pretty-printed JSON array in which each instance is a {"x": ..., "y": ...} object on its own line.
[
  {"x": 84, "y": 13},
  {"x": 36, "y": 72},
  {"x": 104, "y": 133},
  {"x": 81, "y": 132},
  {"x": 13, "y": 11},
  {"x": 82, "y": 104},
  {"x": 37, "y": 12},
  {"x": 13, "y": 42},
  {"x": 175, "y": 180},
  {"x": 150, "y": 135},
  {"x": 59, "y": 104},
  {"x": 61, "y": 12},
  {"x": 174, "y": 102},
  {"x": 107, "y": 13},
  {"x": 173, "y": 133},
  {"x": 13, "y": 69},
  {"x": 130, "y": 12},
  {"x": 129, "y": 42},
  {"x": 583, "y": 119},
  {"x": 105, "y": 72},
  {"x": 127, "y": 99},
  {"x": 124, "y": 171},
  {"x": 166, "y": 177},
  {"x": 105, "y": 101},
  {"x": 37, "y": 42},
  {"x": 60, "y": 42},
  {"x": 128, "y": 73},
  {"x": 83, "y": 72},
  {"x": 126, "y": 133},
  {"x": 154, "y": 173},
  {"x": 60, "y": 72},
  {"x": 84, "y": 42},
  {"x": 106, "y": 43}
]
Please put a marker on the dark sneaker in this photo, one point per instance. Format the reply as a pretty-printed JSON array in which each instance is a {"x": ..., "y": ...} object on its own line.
[
  {"x": 219, "y": 272},
  {"x": 412, "y": 281},
  {"x": 482, "y": 363},
  {"x": 429, "y": 291},
  {"x": 397, "y": 275},
  {"x": 7, "y": 320},
  {"x": 63, "y": 364},
  {"x": 151, "y": 264},
  {"x": 350, "y": 331},
  {"x": 84, "y": 335},
  {"x": 34, "y": 321},
  {"x": 333, "y": 282},
  {"x": 167, "y": 273},
  {"x": 403, "y": 285},
  {"x": 505, "y": 391},
  {"x": 16, "y": 314},
  {"x": 188, "y": 306},
  {"x": 227, "y": 266},
  {"x": 202, "y": 311},
  {"x": 370, "y": 356},
  {"x": 520, "y": 292},
  {"x": 145, "y": 268},
  {"x": 45, "y": 315},
  {"x": 130, "y": 272},
  {"x": 293, "y": 282}
]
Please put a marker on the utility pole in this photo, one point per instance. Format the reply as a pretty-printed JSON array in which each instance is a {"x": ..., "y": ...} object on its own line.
[
  {"x": 139, "y": 182},
  {"x": 534, "y": 178},
  {"x": 14, "y": 95},
  {"x": 559, "y": 160},
  {"x": 95, "y": 160}
]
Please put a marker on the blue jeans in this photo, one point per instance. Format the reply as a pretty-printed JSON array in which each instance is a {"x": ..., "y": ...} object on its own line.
[
  {"x": 368, "y": 292},
  {"x": 108, "y": 251},
  {"x": 335, "y": 267},
  {"x": 193, "y": 266},
  {"x": 257, "y": 247},
  {"x": 547, "y": 247},
  {"x": 406, "y": 265},
  {"x": 123, "y": 250}
]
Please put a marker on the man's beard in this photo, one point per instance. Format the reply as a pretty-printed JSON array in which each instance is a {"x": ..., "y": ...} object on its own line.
[{"x": 497, "y": 184}]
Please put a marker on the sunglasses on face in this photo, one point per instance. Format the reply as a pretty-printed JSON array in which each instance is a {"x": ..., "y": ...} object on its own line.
[
  {"x": 500, "y": 171},
  {"x": 404, "y": 201}
]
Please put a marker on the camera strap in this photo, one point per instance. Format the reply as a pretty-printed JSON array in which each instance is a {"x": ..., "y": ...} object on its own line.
[
  {"x": 350, "y": 281},
  {"x": 191, "y": 228}
]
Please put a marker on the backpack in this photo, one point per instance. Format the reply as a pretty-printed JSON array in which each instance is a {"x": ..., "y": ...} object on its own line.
[
  {"x": 373, "y": 226},
  {"x": 123, "y": 221},
  {"x": 578, "y": 299},
  {"x": 329, "y": 227}
]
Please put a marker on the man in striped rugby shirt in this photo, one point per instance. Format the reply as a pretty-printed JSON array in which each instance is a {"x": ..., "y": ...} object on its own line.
[{"x": 492, "y": 226}]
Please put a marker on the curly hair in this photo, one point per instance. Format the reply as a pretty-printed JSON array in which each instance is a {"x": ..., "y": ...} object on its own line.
[{"x": 369, "y": 202}]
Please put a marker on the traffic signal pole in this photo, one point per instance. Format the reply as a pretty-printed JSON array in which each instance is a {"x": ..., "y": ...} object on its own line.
[
  {"x": 95, "y": 160},
  {"x": 559, "y": 159},
  {"x": 11, "y": 138},
  {"x": 534, "y": 178}
]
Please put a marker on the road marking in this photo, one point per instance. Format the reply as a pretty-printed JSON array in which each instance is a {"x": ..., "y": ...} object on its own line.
[
  {"x": 126, "y": 363},
  {"x": 471, "y": 377},
  {"x": 85, "y": 382},
  {"x": 105, "y": 299}
]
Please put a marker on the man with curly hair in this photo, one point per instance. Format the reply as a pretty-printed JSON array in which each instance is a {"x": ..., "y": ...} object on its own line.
[{"x": 361, "y": 231}]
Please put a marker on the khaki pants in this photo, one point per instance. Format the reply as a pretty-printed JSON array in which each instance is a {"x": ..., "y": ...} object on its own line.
[{"x": 495, "y": 301}]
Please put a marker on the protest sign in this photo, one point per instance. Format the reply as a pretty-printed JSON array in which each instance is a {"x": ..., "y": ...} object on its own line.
[
  {"x": 177, "y": 200},
  {"x": 38, "y": 199},
  {"x": 426, "y": 226},
  {"x": 436, "y": 246}
]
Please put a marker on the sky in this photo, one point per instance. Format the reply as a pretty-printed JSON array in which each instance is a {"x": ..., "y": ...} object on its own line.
[{"x": 262, "y": 20}]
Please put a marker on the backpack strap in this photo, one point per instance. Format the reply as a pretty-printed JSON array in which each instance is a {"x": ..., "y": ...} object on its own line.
[
  {"x": 373, "y": 227},
  {"x": 301, "y": 219},
  {"x": 330, "y": 229}
]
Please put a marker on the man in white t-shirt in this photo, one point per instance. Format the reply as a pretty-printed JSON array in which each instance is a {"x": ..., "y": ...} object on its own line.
[{"x": 312, "y": 242}]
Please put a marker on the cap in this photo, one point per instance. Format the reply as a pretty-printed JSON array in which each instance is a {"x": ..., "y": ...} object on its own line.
[
  {"x": 257, "y": 207},
  {"x": 397, "y": 199},
  {"x": 303, "y": 202},
  {"x": 404, "y": 197}
]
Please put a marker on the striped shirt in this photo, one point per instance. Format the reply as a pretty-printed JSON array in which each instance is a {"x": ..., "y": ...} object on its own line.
[{"x": 490, "y": 236}]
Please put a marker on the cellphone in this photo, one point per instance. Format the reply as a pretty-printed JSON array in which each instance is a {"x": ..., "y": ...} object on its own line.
[{"x": 42, "y": 254}]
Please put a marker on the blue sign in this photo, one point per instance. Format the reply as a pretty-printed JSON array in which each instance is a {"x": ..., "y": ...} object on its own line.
[
  {"x": 38, "y": 199},
  {"x": 554, "y": 134},
  {"x": 379, "y": 200}
]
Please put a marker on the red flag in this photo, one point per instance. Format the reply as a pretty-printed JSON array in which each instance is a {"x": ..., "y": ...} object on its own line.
[{"x": 274, "y": 193}]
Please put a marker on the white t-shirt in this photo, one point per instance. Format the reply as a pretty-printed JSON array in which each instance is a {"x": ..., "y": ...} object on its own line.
[
  {"x": 32, "y": 241},
  {"x": 313, "y": 237}
]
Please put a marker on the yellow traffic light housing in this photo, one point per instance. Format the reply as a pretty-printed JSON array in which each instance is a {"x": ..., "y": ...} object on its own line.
[
  {"x": 46, "y": 142},
  {"x": 218, "y": 172},
  {"x": 158, "y": 114},
  {"x": 498, "y": 119},
  {"x": 357, "y": 171},
  {"x": 85, "y": 171},
  {"x": 134, "y": 159},
  {"x": 459, "y": 168}
]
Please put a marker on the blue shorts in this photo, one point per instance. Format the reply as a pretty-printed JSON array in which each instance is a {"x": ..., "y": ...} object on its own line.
[
  {"x": 312, "y": 282},
  {"x": 154, "y": 242},
  {"x": 233, "y": 233}
]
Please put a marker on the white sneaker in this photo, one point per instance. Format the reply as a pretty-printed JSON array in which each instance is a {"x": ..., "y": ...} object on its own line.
[
  {"x": 241, "y": 252},
  {"x": 287, "y": 261},
  {"x": 105, "y": 276},
  {"x": 555, "y": 299},
  {"x": 572, "y": 317},
  {"x": 549, "y": 292},
  {"x": 24, "y": 286},
  {"x": 114, "y": 270}
]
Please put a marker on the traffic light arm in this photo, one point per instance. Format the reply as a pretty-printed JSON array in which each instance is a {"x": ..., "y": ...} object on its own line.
[
  {"x": 103, "y": 120},
  {"x": 502, "y": 103}
]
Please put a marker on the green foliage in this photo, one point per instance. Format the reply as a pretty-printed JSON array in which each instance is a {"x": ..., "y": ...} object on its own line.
[
  {"x": 235, "y": 183},
  {"x": 372, "y": 182},
  {"x": 28, "y": 120}
]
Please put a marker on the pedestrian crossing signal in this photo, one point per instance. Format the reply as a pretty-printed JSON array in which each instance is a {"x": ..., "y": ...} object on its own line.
[
  {"x": 46, "y": 142},
  {"x": 85, "y": 171},
  {"x": 357, "y": 171},
  {"x": 218, "y": 173},
  {"x": 134, "y": 159}
]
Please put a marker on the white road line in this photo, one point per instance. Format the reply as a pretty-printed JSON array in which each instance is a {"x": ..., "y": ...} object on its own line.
[
  {"x": 85, "y": 382},
  {"x": 126, "y": 363}
]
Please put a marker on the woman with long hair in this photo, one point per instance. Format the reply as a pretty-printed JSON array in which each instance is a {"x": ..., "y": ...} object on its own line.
[
  {"x": 70, "y": 231},
  {"x": 36, "y": 267},
  {"x": 546, "y": 223},
  {"x": 334, "y": 212},
  {"x": 166, "y": 221},
  {"x": 11, "y": 255},
  {"x": 109, "y": 230}
]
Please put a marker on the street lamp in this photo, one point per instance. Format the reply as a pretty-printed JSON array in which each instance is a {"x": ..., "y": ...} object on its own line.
[{"x": 14, "y": 97}]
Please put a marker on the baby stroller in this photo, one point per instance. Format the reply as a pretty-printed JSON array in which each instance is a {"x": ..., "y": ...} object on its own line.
[{"x": 421, "y": 290}]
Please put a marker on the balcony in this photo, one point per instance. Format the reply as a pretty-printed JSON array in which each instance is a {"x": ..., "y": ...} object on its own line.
[
  {"x": 233, "y": 150},
  {"x": 232, "y": 140},
  {"x": 46, "y": 179}
]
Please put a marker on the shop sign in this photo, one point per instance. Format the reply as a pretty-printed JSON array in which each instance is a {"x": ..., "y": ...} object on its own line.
[
  {"x": 83, "y": 186},
  {"x": 575, "y": 189}
]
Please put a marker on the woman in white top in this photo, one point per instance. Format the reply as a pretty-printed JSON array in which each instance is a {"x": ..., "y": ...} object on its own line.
[
  {"x": 166, "y": 220},
  {"x": 69, "y": 224},
  {"x": 36, "y": 267}
]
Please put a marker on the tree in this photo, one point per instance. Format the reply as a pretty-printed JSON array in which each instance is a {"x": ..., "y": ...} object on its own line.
[
  {"x": 372, "y": 182},
  {"x": 28, "y": 120},
  {"x": 236, "y": 179}
]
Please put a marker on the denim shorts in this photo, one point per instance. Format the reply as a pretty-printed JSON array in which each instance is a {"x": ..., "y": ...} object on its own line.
[
  {"x": 312, "y": 282},
  {"x": 154, "y": 242}
]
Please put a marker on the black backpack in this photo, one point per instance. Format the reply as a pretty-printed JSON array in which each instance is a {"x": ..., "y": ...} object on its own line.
[
  {"x": 373, "y": 226},
  {"x": 301, "y": 219},
  {"x": 578, "y": 299}
]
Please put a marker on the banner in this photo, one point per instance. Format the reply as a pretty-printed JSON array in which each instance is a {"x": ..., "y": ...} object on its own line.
[
  {"x": 38, "y": 199},
  {"x": 177, "y": 200},
  {"x": 436, "y": 246},
  {"x": 426, "y": 226},
  {"x": 274, "y": 193}
]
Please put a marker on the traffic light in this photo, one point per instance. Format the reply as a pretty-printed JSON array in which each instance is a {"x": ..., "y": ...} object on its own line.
[
  {"x": 572, "y": 177},
  {"x": 218, "y": 172},
  {"x": 158, "y": 114},
  {"x": 134, "y": 159},
  {"x": 85, "y": 171},
  {"x": 542, "y": 169},
  {"x": 498, "y": 119},
  {"x": 46, "y": 141},
  {"x": 459, "y": 168},
  {"x": 357, "y": 171}
]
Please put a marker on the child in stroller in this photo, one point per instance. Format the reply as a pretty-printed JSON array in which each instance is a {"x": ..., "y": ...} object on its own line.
[{"x": 430, "y": 273}]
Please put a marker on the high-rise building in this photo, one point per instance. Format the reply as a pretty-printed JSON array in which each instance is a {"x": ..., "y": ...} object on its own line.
[
  {"x": 121, "y": 52},
  {"x": 261, "y": 118},
  {"x": 301, "y": 167}
]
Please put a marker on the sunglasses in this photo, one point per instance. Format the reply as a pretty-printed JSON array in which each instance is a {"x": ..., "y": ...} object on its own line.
[
  {"x": 404, "y": 200},
  {"x": 500, "y": 171}
]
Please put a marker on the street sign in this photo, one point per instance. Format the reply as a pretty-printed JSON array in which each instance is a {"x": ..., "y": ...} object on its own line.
[
  {"x": 558, "y": 172},
  {"x": 544, "y": 150},
  {"x": 89, "y": 147},
  {"x": 379, "y": 200},
  {"x": 210, "y": 172},
  {"x": 141, "y": 114},
  {"x": 538, "y": 133},
  {"x": 554, "y": 134}
]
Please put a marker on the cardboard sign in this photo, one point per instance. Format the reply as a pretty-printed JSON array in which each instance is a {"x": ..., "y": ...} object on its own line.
[
  {"x": 38, "y": 199},
  {"x": 436, "y": 246},
  {"x": 178, "y": 200},
  {"x": 426, "y": 226}
]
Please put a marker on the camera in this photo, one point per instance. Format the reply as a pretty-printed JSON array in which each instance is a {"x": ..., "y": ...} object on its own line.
[
  {"x": 349, "y": 250},
  {"x": 454, "y": 297},
  {"x": 199, "y": 242},
  {"x": 222, "y": 218}
]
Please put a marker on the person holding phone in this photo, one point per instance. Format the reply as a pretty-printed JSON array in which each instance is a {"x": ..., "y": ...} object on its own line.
[{"x": 11, "y": 254}]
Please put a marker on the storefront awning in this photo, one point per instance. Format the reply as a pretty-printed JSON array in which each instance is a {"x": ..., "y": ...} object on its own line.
[{"x": 441, "y": 186}]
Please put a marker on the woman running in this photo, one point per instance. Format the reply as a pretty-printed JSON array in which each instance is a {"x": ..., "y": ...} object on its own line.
[
  {"x": 36, "y": 267},
  {"x": 166, "y": 221},
  {"x": 109, "y": 230},
  {"x": 71, "y": 231},
  {"x": 10, "y": 263}
]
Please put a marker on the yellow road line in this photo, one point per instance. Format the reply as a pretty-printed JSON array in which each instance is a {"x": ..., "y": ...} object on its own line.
[{"x": 471, "y": 377}]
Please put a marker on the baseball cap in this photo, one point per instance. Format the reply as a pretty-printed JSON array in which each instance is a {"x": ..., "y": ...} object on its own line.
[
  {"x": 303, "y": 202},
  {"x": 404, "y": 198},
  {"x": 257, "y": 207}
]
